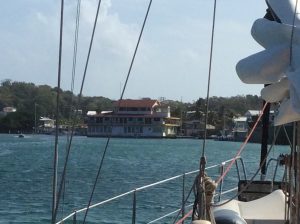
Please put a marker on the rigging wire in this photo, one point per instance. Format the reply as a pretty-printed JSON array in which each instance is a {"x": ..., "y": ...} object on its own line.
[
  {"x": 121, "y": 97},
  {"x": 292, "y": 214},
  {"x": 292, "y": 35},
  {"x": 185, "y": 201},
  {"x": 230, "y": 165},
  {"x": 76, "y": 112},
  {"x": 75, "y": 45},
  {"x": 209, "y": 77},
  {"x": 200, "y": 192},
  {"x": 55, "y": 163},
  {"x": 71, "y": 115},
  {"x": 242, "y": 146},
  {"x": 255, "y": 174}
]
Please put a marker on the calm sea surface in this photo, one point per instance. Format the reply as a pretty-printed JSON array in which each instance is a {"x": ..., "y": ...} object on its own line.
[{"x": 26, "y": 175}]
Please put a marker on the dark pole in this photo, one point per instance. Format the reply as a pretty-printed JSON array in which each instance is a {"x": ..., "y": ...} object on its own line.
[
  {"x": 34, "y": 118},
  {"x": 264, "y": 139}
]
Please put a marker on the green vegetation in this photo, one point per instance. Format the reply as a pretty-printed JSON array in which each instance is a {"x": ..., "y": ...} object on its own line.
[{"x": 29, "y": 98}]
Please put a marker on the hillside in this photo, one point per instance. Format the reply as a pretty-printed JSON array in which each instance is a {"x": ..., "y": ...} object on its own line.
[{"x": 32, "y": 101}]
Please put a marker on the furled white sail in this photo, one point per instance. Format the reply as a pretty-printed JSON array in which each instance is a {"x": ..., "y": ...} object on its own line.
[{"x": 278, "y": 64}]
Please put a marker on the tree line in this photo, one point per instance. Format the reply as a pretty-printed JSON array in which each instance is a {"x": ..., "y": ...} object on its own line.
[{"x": 35, "y": 101}]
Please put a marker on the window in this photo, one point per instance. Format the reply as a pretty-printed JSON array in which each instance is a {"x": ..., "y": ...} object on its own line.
[
  {"x": 140, "y": 119},
  {"x": 156, "y": 119},
  {"x": 147, "y": 120}
]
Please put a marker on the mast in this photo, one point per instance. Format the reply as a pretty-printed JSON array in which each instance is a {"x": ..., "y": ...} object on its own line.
[
  {"x": 264, "y": 139},
  {"x": 270, "y": 15},
  {"x": 296, "y": 214}
]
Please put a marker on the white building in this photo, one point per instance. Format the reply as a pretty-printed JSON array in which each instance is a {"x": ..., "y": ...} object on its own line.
[{"x": 134, "y": 118}]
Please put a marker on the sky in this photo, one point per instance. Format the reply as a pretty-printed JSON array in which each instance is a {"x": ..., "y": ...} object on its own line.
[{"x": 172, "y": 60}]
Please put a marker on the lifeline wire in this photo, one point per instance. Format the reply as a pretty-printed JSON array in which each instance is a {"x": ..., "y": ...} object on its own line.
[
  {"x": 121, "y": 97},
  {"x": 54, "y": 196},
  {"x": 79, "y": 100}
]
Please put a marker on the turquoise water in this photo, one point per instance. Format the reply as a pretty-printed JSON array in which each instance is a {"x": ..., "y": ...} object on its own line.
[{"x": 26, "y": 175}]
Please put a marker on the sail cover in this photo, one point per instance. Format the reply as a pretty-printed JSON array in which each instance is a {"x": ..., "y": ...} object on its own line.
[{"x": 277, "y": 64}]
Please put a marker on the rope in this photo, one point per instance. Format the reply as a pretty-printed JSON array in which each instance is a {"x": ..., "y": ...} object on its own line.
[
  {"x": 242, "y": 146},
  {"x": 54, "y": 196},
  {"x": 233, "y": 161},
  {"x": 121, "y": 97},
  {"x": 184, "y": 217},
  {"x": 184, "y": 202},
  {"x": 252, "y": 178}
]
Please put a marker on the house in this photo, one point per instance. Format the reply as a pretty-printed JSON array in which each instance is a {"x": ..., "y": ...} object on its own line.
[
  {"x": 240, "y": 128},
  {"x": 47, "y": 125},
  {"x": 7, "y": 110},
  {"x": 196, "y": 128},
  {"x": 134, "y": 118}
]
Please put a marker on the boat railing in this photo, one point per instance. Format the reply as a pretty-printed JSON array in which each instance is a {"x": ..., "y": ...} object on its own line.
[
  {"x": 272, "y": 160},
  {"x": 184, "y": 204}
]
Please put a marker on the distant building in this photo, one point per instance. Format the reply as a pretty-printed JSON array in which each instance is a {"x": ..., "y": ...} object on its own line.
[
  {"x": 47, "y": 125},
  {"x": 134, "y": 118},
  {"x": 244, "y": 124},
  {"x": 9, "y": 109},
  {"x": 91, "y": 113},
  {"x": 240, "y": 128},
  {"x": 196, "y": 128}
]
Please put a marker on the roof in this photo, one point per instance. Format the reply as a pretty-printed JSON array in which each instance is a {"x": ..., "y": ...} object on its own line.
[
  {"x": 253, "y": 112},
  {"x": 240, "y": 119},
  {"x": 136, "y": 103},
  {"x": 46, "y": 119},
  {"x": 91, "y": 112}
]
